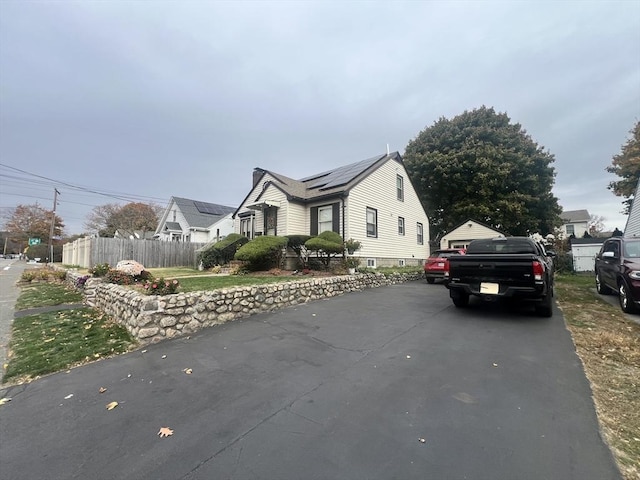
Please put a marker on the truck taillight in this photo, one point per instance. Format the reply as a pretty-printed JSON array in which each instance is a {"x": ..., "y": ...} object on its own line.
[
  {"x": 538, "y": 270},
  {"x": 446, "y": 268}
]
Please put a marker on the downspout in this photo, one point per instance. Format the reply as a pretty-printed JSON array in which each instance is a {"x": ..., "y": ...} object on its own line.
[{"x": 344, "y": 209}]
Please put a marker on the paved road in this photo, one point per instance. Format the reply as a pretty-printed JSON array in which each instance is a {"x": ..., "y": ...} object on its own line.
[
  {"x": 336, "y": 389},
  {"x": 10, "y": 271}
]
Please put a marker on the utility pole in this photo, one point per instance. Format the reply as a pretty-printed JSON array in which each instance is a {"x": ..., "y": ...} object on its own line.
[{"x": 53, "y": 223}]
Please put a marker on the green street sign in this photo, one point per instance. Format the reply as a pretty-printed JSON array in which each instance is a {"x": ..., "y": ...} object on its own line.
[{"x": 34, "y": 241}]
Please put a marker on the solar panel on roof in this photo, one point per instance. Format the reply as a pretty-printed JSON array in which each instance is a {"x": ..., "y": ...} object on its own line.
[
  {"x": 209, "y": 208},
  {"x": 343, "y": 175}
]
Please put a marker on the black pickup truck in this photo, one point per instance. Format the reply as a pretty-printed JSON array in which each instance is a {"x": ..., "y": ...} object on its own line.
[{"x": 515, "y": 268}]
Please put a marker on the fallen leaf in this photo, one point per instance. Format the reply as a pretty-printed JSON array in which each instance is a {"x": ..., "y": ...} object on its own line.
[
  {"x": 422, "y": 440},
  {"x": 408, "y": 356},
  {"x": 4, "y": 400},
  {"x": 188, "y": 371},
  {"x": 495, "y": 364},
  {"x": 112, "y": 405},
  {"x": 164, "y": 356},
  {"x": 102, "y": 390},
  {"x": 165, "y": 432},
  {"x": 68, "y": 396}
]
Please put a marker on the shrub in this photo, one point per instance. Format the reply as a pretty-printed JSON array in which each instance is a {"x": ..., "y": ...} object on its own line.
[
  {"x": 161, "y": 286},
  {"x": 326, "y": 245},
  {"x": 119, "y": 277},
  {"x": 564, "y": 263},
  {"x": 222, "y": 252},
  {"x": 81, "y": 281},
  {"x": 100, "y": 270},
  {"x": 28, "y": 276},
  {"x": 297, "y": 244},
  {"x": 262, "y": 252}
]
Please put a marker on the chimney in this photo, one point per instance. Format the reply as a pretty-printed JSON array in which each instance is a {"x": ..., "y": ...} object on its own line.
[{"x": 257, "y": 174}]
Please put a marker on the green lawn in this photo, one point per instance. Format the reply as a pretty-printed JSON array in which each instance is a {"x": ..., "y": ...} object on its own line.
[
  {"x": 46, "y": 294},
  {"x": 52, "y": 341}
]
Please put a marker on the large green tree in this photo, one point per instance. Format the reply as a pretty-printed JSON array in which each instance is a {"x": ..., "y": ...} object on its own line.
[
  {"x": 478, "y": 165},
  {"x": 626, "y": 165},
  {"x": 127, "y": 219}
]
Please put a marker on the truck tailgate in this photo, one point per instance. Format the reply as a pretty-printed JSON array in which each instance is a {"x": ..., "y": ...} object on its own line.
[{"x": 515, "y": 269}]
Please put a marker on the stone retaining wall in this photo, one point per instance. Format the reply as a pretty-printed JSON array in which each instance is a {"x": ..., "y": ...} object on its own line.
[{"x": 151, "y": 318}]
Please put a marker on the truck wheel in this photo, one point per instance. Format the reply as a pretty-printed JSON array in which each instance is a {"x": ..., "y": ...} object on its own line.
[
  {"x": 601, "y": 288},
  {"x": 460, "y": 300},
  {"x": 430, "y": 280},
  {"x": 626, "y": 304},
  {"x": 545, "y": 307}
]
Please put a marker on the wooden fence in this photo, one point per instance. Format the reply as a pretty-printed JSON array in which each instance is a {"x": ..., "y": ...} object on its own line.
[{"x": 88, "y": 252}]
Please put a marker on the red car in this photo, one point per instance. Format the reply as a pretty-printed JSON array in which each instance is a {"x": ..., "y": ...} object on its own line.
[{"x": 434, "y": 266}]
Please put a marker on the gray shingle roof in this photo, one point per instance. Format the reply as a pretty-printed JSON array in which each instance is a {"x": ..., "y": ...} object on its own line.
[
  {"x": 572, "y": 216},
  {"x": 201, "y": 214},
  {"x": 330, "y": 182}
]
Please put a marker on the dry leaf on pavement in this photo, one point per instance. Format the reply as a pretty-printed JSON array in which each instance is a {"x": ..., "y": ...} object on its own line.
[
  {"x": 112, "y": 405},
  {"x": 165, "y": 432},
  {"x": 188, "y": 371},
  {"x": 102, "y": 390}
]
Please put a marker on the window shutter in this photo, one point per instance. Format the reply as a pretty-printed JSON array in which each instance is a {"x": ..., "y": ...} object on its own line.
[
  {"x": 336, "y": 218},
  {"x": 313, "y": 231}
]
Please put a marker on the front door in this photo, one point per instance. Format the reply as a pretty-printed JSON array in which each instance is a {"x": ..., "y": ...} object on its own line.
[{"x": 271, "y": 221}]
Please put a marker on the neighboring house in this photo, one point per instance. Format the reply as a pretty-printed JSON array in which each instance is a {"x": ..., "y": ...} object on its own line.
[
  {"x": 632, "y": 229},
  {"x": 460, "y": 236},
  {"x": 584, "y": 251},
  {"x": 187, "y": 220},
  {"x": 372, "y": 201},
  {"x": 575, "y": 222}
]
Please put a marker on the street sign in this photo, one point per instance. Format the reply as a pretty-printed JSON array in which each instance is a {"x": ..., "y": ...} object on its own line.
[{"x": 34, "y": 241}]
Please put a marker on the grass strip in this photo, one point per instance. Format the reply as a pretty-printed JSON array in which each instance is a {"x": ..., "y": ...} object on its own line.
[
  {"x": 49, "y": 342},
  {"x": 45, "y": 294},
  {"x": 608, "y": 344}
]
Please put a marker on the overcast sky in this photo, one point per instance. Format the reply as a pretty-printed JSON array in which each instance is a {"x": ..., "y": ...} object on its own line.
[{"x": 144, "y": 100}]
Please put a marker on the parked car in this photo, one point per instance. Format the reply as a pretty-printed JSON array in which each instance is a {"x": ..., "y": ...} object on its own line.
[
  {"x": 434, "y": 266},
  {"x": 509, "y": 268},
  {"x": 617, "y": 268}
]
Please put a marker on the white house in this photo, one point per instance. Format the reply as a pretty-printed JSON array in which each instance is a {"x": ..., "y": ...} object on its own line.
[
  {"x": 632, "y": 229},
  {"x": 460, "y": 236},
  {"x": 187, "y": 220},
  {"x": 372, "y": 201},
  {"x": 576, "y": 223}
]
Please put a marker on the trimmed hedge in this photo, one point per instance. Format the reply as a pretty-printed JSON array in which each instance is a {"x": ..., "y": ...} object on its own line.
[
  {"x": 222, "y": 252},
  {"x": 262, "y": 252},
  {"x": 326, "y": 245}
]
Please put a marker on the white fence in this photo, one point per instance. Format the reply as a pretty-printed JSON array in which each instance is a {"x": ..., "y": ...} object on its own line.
[{"x": 88, "y": 252}]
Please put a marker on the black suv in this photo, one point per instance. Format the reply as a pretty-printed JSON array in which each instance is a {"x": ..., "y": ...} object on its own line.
[{"x": 618, "y": 270}]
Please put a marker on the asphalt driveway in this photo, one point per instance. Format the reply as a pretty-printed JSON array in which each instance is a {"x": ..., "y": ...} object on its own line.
[{"x": 387, "y": 383}]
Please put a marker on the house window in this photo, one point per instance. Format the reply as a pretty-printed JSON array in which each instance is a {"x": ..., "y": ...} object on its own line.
[
  {"x": 420, "y": 234},
  {"x": 400, "y": 226},
  {"x": 400, "y": 187},
  {"x": 401, "y": 262},
  {"x": 325, "y": 219},
  {"x": 371, "y": 262},
  {"x": 246, "y": 227},
  {"x": 372, "y": 222},
  {"x": 571, "y": 229}
]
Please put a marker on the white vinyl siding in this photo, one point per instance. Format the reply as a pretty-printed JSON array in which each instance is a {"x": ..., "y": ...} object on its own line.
[
  {"x": 379, "y": 190},
  {"x": 271, "y": 194}
]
